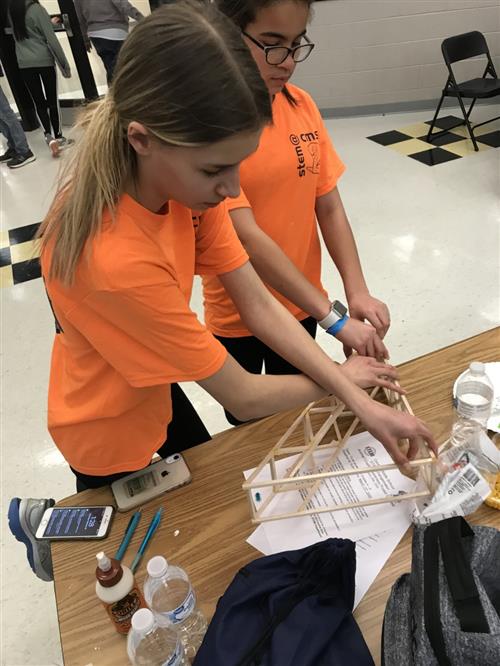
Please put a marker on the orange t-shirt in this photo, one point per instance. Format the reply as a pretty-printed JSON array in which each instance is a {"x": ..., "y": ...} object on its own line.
[
  {"x": 294, "y": 164},
  {"x": 128, "y": 332}
]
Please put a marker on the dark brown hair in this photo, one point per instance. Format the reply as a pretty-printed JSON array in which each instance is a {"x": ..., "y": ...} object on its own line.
[{"x": 244, "y": 12}]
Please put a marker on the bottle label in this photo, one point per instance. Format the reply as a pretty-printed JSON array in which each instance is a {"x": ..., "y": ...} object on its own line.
[
  {"x": 176, "y": 658},
  {"x": 184, "y": 610},
  {"x": 121, "y": 611}
]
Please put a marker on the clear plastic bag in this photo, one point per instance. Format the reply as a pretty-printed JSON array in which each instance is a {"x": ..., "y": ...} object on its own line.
[{"x": 467, "y": 470}]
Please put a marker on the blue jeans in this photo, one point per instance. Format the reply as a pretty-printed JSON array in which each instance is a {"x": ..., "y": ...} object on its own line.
[{"x": 11, "y": 128}]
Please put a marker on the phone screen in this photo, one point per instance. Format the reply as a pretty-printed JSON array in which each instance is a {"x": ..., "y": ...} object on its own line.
[{"x": 75, "y": 522}]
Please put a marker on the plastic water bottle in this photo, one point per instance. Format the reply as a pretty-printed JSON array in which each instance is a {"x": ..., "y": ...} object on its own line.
[
  {"x": 149, "y": 644},
  {"x": 474, "y": 402},
  {"x": 169, "y": 594}
]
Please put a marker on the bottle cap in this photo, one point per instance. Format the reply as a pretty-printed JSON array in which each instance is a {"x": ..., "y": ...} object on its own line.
[
  {"x": 143, "y": 620},
  {"x": 477, "y": 368},
  {"x": 103, "y": 561},
  {"x": 157, "y": 566},
  {"x": 109, "y": 572}
]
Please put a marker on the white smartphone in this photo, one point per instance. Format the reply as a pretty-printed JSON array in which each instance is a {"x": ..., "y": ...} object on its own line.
[
  {"x": 156, "y": 479},
  {"x": 75, "y": 522}
]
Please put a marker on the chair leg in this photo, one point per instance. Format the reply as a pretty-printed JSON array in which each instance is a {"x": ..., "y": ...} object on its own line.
[
  {"x": 435, "y": 118},
  {"x": 466, "y": 118},
  {"x": 471, "y": 107}
]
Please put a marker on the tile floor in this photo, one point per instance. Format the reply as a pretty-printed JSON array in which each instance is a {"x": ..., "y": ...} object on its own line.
[
  {"x": 450, "y": 140},
  {"x": 429, "y": 243}
]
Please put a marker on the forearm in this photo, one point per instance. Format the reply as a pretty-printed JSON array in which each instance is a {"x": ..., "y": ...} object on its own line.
[
  {"x": 280, "y": 273},
  {"x": 276, "y": 327},
  {"x": 249, "y": 396},
  {"x": 340, "y": 242}
]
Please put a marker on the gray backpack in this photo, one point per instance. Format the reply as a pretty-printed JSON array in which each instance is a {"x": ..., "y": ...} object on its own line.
[{"x": 446, "y": 612}]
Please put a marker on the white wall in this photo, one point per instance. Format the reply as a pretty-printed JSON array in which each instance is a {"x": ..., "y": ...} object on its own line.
[{"x": 371, "y": 52}]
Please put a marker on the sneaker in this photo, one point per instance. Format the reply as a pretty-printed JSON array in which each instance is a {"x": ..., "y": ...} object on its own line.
[
  {"x": 21, "y": 160},
  {"x": 24, "y": 517},
  {"x": 8, "y": 155},
  {"x": 64, "y": 142}
]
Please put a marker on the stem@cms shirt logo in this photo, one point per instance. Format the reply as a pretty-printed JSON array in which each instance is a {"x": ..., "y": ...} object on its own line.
[{"x": 307, "y": 149}]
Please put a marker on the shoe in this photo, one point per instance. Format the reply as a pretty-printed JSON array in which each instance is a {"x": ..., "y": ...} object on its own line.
[
  {"x": 8, "y": 155},
  {"x": 64, "y": 142},
  {"x": 21, "y": 160},
  {"x": 24, "y": 517}
]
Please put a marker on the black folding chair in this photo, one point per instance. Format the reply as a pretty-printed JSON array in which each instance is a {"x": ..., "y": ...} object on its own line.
[{"x": 463, "y": 47}]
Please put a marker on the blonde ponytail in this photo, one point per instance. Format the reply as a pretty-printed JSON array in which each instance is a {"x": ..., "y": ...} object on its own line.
[
  {"x": 186, "y": 75},
  {"x": 93, "y": 182}
]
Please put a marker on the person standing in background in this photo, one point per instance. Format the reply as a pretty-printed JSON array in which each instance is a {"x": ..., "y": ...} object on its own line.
[
  {"x": 105, "y": 24},
  {"x": 37, "y": 51},
  {"x": 18, "y": 152}
]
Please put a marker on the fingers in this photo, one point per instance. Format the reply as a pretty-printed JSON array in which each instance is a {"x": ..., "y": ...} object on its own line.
[
  {"x": 379, "y": 318},
  {"x": 428, "y": 437},
  {"x": 380, "y": 348},
  {"x": 384, "y": 383},
  {"x": 414, "y": 448}
]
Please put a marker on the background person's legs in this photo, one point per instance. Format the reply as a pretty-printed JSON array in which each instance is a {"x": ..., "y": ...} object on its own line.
[
  {"x": 11, "y": 128},
  {"x": 33, "y": 81},
  {"x": 49, "y": 79},
  {"x": 107, "y": 50}
]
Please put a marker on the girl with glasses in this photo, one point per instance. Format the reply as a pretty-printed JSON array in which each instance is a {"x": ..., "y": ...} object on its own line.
[
  {"x": 120, "y": 248},
  {"x": 288, "y": 184}
]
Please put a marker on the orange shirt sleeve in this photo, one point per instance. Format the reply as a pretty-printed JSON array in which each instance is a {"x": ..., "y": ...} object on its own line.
[
  {"x": 148, "y": 334},
  {"x": 331, "y": 166},
  {"x": 240, "y": 201},
  {"x": 218, "y": 248}
]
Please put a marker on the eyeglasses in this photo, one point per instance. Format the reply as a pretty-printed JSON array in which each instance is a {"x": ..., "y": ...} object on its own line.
[{"x": 275, "y": 55}]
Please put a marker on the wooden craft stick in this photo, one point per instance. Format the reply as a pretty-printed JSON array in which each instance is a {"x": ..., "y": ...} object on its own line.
[
  {"x": 343, "y": 472},
  {"x": 328, "y": 509}
]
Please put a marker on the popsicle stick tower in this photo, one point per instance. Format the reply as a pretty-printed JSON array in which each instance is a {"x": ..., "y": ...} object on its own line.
[{"x": 325, "y": 426}]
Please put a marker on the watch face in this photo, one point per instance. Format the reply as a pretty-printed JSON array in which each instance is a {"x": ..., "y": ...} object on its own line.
[{"x": 339, "y": 308}]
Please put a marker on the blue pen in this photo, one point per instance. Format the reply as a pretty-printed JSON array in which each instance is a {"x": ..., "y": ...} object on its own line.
[
  {"x": 129, "y": 532},
  {"x": 151, "y": 530}
]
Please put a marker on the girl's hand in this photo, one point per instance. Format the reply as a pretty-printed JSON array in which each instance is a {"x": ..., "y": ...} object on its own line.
[
  {"x": 367, "y": 372},
  {"x": 363, "y": 338},
  {"x": 364, "y": 306},
  {"x": 389, "y": 426}
]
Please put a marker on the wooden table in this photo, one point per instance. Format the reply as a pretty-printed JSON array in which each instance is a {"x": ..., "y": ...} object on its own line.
[{"x": 212, "y": 517}]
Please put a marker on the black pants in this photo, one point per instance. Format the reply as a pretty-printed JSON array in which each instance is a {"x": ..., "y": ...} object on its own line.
[
  {"x": 184, "y": 431},
  {"x": 107, "y": 50},
  {"x": 252, "y": 354},
  {"x": 42, "y": 86}
]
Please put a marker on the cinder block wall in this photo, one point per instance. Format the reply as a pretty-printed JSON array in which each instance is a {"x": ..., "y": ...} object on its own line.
[{"x": 373, "y": 52}]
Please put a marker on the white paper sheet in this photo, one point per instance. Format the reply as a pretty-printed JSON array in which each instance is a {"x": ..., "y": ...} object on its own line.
[{"x": 367, "y": 526}]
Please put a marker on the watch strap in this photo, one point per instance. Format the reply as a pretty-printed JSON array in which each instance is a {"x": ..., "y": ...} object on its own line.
[{"x": 338, "y": 326}]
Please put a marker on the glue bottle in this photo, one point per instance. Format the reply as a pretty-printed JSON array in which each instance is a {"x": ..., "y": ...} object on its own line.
[{"x": 118, "y": 591}]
